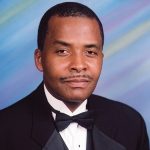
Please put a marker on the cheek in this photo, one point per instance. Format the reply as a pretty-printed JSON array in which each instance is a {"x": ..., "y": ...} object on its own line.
[
  {"x": 95, "y": 68},
  {"x": 54, "y": 67}
]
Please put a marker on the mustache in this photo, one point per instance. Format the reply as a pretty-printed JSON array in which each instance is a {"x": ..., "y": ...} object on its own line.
[{"x": 82, "y": 76}]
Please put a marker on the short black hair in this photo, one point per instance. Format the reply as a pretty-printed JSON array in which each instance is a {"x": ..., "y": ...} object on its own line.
[{"x": 65, "y": 9}]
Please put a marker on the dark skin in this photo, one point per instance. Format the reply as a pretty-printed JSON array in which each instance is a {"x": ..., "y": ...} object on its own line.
[{"x": 71, "y": 60}]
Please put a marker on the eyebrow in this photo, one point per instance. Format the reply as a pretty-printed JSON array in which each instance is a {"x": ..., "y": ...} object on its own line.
[
  {"x": 68, "y": 44},
  {"x": 61, "y": 43},
  {"x": 92, "y": 46}
]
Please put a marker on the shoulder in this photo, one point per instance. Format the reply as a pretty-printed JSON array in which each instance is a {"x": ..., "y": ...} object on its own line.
[
  {"x": 20, "y": 109},
  {"x": 116, "y": 110},
  {"x": 99, "y": 102},
  {"x": 120, "y": 122},
  {"x": 16, "y": 111},
  {"x": 19, "y": 116}
]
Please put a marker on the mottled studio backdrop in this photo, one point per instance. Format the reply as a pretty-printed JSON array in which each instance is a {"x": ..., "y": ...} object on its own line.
[{"x": 126, "y": 71}]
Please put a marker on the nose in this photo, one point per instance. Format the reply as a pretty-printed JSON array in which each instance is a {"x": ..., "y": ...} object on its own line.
[{"x": 78, "y": 64}]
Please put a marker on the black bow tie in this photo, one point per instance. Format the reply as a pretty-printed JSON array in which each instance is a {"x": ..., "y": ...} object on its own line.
[{"x": 84, "y": 119}]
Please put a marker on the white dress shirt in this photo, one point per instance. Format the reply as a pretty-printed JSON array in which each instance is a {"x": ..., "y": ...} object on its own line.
[{"x": 74, "y": 136}]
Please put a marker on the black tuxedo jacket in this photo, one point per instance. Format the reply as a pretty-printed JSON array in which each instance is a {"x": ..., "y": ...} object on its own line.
[{"x": 29, "y": 125}]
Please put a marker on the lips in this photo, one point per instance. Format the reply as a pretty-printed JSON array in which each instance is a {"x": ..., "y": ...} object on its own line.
[{"x": 77, "y": 82}]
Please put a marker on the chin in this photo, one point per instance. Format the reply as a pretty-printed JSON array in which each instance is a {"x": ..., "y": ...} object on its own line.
[
  {"x": 76, "y": 98},
  {"x": 75, "y": 101}
]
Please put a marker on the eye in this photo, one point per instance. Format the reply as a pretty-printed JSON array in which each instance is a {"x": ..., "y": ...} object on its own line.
[
  {"x": 62, "y": 52},
  {"x": 91, "y": 53}
]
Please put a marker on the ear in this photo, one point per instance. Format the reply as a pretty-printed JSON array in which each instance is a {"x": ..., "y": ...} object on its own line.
[{"x": 38, "y": 59}]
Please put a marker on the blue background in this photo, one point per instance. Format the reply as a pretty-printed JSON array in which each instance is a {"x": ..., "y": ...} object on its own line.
[{"x": 126, "y": 71}]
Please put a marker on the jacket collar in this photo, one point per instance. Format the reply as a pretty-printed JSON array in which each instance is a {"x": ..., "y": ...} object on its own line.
[
  {"x": 44, "y": 131},
  {"x": 43, "y": 124}
]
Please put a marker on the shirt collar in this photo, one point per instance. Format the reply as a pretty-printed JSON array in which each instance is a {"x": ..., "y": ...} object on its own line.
[{"x": 60, "y": 106}]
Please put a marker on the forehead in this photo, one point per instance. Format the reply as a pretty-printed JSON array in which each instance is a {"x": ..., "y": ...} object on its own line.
[
  {"x": 69, "y": 27},
  {"x": 59, "y": 21}
]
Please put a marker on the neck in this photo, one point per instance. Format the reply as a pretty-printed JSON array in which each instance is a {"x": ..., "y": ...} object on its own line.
[{"x": 72, "y": 105}]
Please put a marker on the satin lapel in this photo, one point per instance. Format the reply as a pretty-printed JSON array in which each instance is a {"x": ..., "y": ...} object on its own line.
[
  {"x": 89, "y": 144},
  {"x": 55, "y": 142},
  {"x": 103, "y": 142},
  {"x": 43, "y": 125},
  {"x": 103, "y": 131},
  {"x": 43, "y": 128}
]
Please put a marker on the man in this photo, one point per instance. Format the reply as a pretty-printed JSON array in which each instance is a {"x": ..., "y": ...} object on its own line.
[{"x": 69, "y": 53}]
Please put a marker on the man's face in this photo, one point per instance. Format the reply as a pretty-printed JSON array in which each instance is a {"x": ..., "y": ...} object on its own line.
[{"x": 71, "y": 59}]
